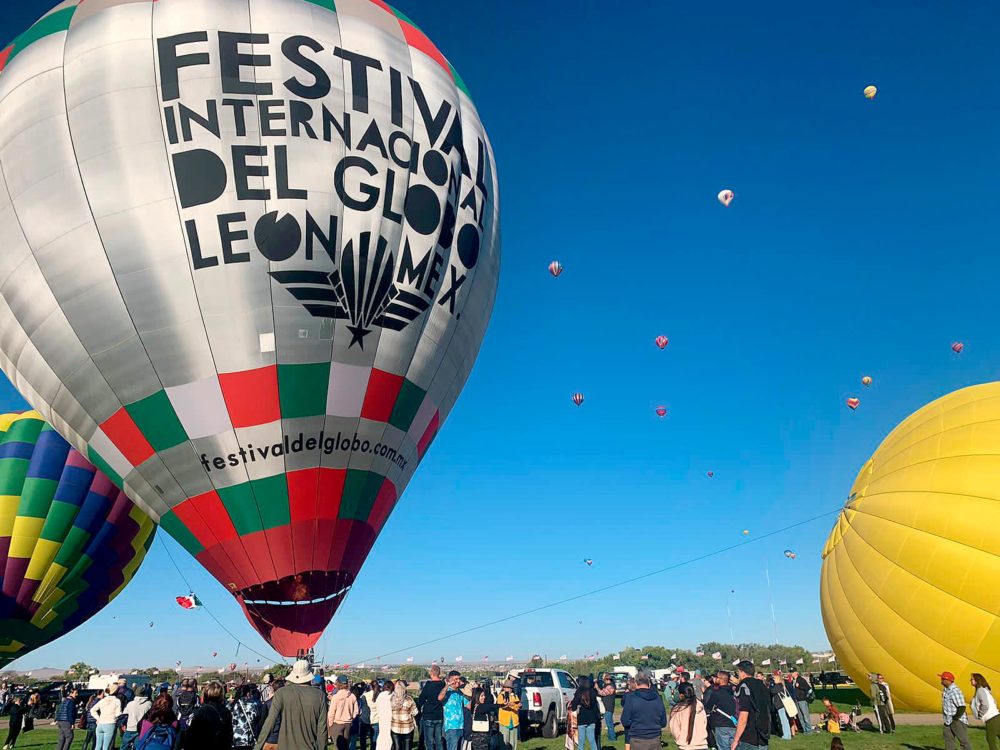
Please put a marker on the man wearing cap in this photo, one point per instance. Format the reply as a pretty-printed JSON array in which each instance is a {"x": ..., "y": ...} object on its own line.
[
  {"x": 343, "y": 710},
  {"x": 302, "y": 710},
  {"x": 956, "y": 722}
]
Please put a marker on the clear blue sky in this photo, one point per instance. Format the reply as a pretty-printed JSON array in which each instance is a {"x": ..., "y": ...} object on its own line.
[{"x": 862, "y": 241}]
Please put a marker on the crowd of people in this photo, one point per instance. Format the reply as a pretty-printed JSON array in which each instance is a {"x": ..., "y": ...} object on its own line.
[{"x": 722, "y": 711}]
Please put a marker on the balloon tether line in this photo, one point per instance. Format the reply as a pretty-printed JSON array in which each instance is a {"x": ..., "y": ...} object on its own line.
[{"x": 602, "y": 589}]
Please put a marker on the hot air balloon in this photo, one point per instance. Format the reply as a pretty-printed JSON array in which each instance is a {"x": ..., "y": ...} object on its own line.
[
  {"x": 555, "y": 268},
  {"x": 662, "y": 341},
  {"x": 214, "y": 654},
  {"x": 588, "y": 562},
  {"x": 957, "y": 347},
  {"x": 710, "y": 474},
  {"x": 256, "y": 331},
  {"x": 726, "y": 197},
  {"x": 790, "y": 554},
  {"x": 870, "y": 92},
  {"x": 70, "y": 540},
  {"x": 231, "y": 667},
  {"x": 866, "y": 381},
  {"x": 916, "y": 539},
  {"x": 854, "y": 403},
  {"x": 577, "y": 398},
  {"x": 661, "y": 411},
  {"x": 746, "y": 532}
]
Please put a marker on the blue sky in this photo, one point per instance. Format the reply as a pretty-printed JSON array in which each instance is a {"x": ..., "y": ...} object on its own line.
[{"x": 861, "y": 241}]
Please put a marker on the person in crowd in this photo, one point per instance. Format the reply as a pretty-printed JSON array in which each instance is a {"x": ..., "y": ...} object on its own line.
[
  {"x": 572, "y": 736},
  {"x": 886, "y": 695},
  {"x": 271, "y": 740},
  {"x": 431, "y": 711},
  {"x": 66, "y": 719},
  {"x": 630, "y": 688},
  {"x": 370, "y": 699},
  {"x": 670, "y": 689},
  {"x": 588, "y": 714},
  {"x": 879, "y": 695},
  {"x": 247, "y": 711},
  {"x": 266, "y": 688},
  {"x": 607, "y": 697},
  {"x": 720, "y": 707},
  {"x": 106, "y": 713},
  {"x": 956, "y": 722},
  {"x": 159, "y": 728},
  {"x": 186, "y": 702},
  {"x": 509, "y": 715},
  {"x": 984, "y": 708},
  {"x": 90, "y": 723},
  {"x": 343, "y": 710},
  {"x": 31, "y": 711},
  {"x": 688, "y": 722},
  {"x": 484, "y": 713},
  {"x": 211, "y": 725},
  {"x": 358, "y": 689},
  {"x": 836, "y": 744},
  {"x": 643, "y": 716},
  {"x": 403, "y": 711},
  {"x": 801, "y": 689},
  {"x": 15, "y": 722},
  {"x": 454, "y": 701},
  {"x": 753, "y": 725},
  {"x": 698, "y": 682},
  {"x": 831, "y": 717},
  {"x": 779, "y": 690},
  {"x": 134, "y": 712},
  {"x": 383, "y": 707}
]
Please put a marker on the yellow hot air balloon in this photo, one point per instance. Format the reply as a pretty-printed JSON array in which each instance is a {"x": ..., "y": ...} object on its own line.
[
  {"x": 909, "y": 580},
  {"x": 870, "y": 92}
]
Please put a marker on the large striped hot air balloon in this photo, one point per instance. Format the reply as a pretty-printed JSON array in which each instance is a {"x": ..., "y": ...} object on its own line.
[
  {"x": 909, "y": 579},
  {"x": 248, "y": 253},
  {"x": 69, "y": 539}
]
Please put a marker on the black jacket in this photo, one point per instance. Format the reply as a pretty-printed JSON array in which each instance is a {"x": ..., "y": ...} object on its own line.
[
  {"x": 211, "y": 728},
  {"x": 724, "y": 700},
  {"x": 428, "y": 703},
  {"x": 644, "y": 715}
]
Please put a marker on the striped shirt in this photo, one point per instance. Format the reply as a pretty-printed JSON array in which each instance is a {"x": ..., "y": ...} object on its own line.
[{"x": 951, "y": 700}]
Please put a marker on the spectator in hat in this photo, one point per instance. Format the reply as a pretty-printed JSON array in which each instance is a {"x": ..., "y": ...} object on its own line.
[
  {"x": 956, "y": 722},
  {"x": 509, "y": 717},
  {"x": 342, "y": 712},
  {"x": 301, "y": 710}
]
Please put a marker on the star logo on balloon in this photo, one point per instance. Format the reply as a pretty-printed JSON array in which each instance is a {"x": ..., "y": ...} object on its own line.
[{"x": 361, "y": 290}]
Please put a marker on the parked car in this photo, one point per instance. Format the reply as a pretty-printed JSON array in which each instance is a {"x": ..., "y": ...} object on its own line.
[
  {"x": 620, "y": 680},
  {"x": 833, "y": 679},
  {"x": 545, "y": 698}
]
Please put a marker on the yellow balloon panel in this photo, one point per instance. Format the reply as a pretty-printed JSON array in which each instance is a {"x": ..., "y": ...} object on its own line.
[{"x": 908, "y": 587}]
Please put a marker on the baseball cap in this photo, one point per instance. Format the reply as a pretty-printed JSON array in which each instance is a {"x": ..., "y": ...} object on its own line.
[
  {"x": 947, "y": 676},
  {"x": 341, "y": 679}
]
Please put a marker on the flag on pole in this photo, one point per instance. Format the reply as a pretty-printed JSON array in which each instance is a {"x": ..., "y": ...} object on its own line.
[
  {"x": 563, "y": 657},
  {"x": 409, "y": 660},
  {"x": 766, "y": 663},
  {"x": 783, "y": 663},
  {"x": 458, "y": 659},
  {"x": 699, "y": 653},
  {"x": 832, "y": 659},
  {"x": 189, "y": 602},
  {"x": 673, "y": 656},
  {"x": 815, "y": 661},
  {"x": 735, "y": 662},
  {"x": 617, "y": 657},
  {"x": 800, "y": 661},
  {"x": 645, "y": 657},
  {"x": 717, "y": 656},
  {"x": 509, "y": 658}
]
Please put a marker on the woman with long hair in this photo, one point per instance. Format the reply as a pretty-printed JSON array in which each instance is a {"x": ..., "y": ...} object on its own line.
[
  {"x": 984, "y": 707},
  {"x": 16, "y": 722},
  {"x": 688, "y": 721},
  {"x": 404, "y": 716},
  {"x": 211, "y": 726},
  {"x": 484, "y": 712},
  {"x": 369, "y": 715},
  {"x": 383, "y": 708},
  {"x": 588, "y": 714}
]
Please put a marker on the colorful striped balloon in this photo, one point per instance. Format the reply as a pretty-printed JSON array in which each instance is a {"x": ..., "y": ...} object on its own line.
[{"x": 69, "y": 539}]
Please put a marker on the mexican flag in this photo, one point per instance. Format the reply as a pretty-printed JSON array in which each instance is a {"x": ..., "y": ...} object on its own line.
[{"x": 189, "y": 602}]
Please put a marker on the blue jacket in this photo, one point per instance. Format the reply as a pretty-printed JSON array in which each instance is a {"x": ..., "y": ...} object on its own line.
[
  {"x": 644, "y": 716},
  {"x": 66, "y": 711}
]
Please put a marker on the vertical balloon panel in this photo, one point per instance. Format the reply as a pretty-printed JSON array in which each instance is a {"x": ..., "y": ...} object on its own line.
[{"x": 275, "y": 260}]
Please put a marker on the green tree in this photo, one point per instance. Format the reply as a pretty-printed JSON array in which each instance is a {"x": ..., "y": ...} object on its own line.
[
  {"x": 412, "y": 673},
  {"x": 79, "y": 672},
  {"x": 280, "y": 671}
]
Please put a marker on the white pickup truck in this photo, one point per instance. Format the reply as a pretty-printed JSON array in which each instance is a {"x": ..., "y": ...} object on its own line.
[{"x": 545, "y": 698}]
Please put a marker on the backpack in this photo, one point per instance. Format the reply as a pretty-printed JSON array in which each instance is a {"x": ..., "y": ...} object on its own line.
[
  {"x": 187, "y": 704},
  {"x": 159, "y": 737}
]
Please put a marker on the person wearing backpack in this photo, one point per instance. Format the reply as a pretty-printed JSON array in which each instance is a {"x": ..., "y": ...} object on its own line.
[
  {"x": 186, "y": 703},
  {"x": 211, "y": 726},
  {"x": 753, "y": 725},
  {"x": 159, "y": 729},
  {"x": 720, "y": 705}
]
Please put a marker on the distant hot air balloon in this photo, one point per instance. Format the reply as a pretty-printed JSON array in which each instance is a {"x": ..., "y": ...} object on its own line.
[
  {"x": 577, "y": 398},
  {"x": 555, "y": 268},
  {"x": 790, "y": 554},
  {"x": 257, "y": 333},
  {"x": 214, "y": 654},
  {"x": 866, "y": 381},
  {"x": 726, "y": 197},
  {"x": 662, "y": 341},
  {"x": 854, "y": 403},
  {"x": 588, "y": 561},
  {"x": 957, "y": 347},
  {"x": 746, "y": 532},
  {"x": 661, "y": 411},
  {"x": 70, "y": 540},
  {"x": 870, "y": 92},
  {"x": 231, "y": 667},
  {"x": 710, "y": 474}
]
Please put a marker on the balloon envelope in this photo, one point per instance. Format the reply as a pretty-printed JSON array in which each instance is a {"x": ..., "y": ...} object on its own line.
[
  {"x": 662, "y": 341},
  {"x": 577, "y": 398},
  {"x": 726, "y": 197},
  {"x": 908, "y": 583},
  {"x": 870, "y": 92},
  {"x": 555, "y": 268},
  {"x": 249, "y": 253},
  {"x": 69, "y": 539}
]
